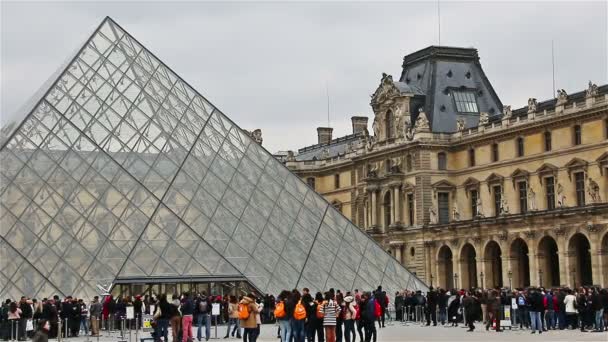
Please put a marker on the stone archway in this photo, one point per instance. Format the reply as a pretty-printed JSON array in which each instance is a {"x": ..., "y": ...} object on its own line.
[
  {"x": 468, "y": 266},
  {"x": 580, "y": 260},
  {"x": 492, "y": 265},
  {"x": 520, "y": 263},
  {"x": 548, "y": 261},
  {"x": 445, "y": 270}
]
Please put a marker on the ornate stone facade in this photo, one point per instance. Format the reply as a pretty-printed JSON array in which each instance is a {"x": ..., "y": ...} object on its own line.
[{"x": 480, "y": 200}]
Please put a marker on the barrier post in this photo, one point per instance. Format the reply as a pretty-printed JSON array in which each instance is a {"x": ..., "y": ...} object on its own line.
[{"x": 58, "y": 328}]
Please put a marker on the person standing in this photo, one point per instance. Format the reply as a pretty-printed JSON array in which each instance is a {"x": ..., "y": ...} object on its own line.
[
  {"x": 138, "y": 311},
  {"x": 84, "y": 316},
  {"x": 431, "y": 309},
  {"x": 203, "y": 309},
  {"x": 233, "y": 318},
  {"x": 549, "y": 304},
  {"x": 187, "y": 308},
  {"x": 330, "y": 310},
  {"x": 536, "y": 309},
  {"x": 42, "y": 333},
  {"x": 350, "y": 312},
  {"x": 570, "y": 309},
  {"x": 471, "y": 304},
  {"x": 26, "y": 314},
  {"x": 248, "y": 310},
  {"x": 95, "y": 312}
]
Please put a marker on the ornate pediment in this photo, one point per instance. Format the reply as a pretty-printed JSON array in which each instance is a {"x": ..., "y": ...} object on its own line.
[
  {"x": 602, "y": 162},
  {"x": 576, "y": 164},
  {"x": 545, "y": 169},
  {"x": 387, "y": 90},
  {"x": 493, "y": 179},
  {"x": 519, "y": 175},
  {"x": 442, "y": 186},
  {"x": 470, "y": 183}
]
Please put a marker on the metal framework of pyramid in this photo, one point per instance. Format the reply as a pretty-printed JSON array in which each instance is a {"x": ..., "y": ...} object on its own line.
[{"x": 120, "y": 170}]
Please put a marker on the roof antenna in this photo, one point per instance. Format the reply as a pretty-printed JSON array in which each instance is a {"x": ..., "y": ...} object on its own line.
[
  {"x": 327, "y": 93},
  {"x": 439, "y": 20},
  {"x": 553, "y": 66}
]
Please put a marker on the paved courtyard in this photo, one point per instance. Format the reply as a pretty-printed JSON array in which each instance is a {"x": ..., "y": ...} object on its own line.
[{"x": 410, "y": 332}]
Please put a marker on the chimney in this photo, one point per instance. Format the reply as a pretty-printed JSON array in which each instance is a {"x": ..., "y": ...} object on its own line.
[
  {"x": 324, "y": 134},
  {"x": 359, "y": 123}
]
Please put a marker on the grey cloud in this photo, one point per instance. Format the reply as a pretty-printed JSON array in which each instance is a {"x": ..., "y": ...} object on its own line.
[{"x": 266, "y": 64}]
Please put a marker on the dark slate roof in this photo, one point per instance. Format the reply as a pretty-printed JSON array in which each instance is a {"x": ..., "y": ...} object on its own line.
[
  {"x": 436, "y": 70},
  {"x": 550, "y": 104},
  {"x": 336, "y": 147}
]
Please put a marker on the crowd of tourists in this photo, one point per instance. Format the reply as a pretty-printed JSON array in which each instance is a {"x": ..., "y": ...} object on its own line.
[{"x": 333, "y": 316}]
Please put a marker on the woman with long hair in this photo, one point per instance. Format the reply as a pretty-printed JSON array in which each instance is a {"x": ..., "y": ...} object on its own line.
[
  {"x": 297, "y": 325},
  {"x": 233, "y": 317},
  {"x": 350, "y": 313},
  {"x": 330, "y": 311}
]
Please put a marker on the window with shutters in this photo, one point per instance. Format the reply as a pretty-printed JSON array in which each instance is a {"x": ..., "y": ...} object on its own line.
[
  {"x": 443, "y": 206},
  {"x": 523, "y": 197},
  {"x": 579, "y": 180},
  {"x": 550, "y": 192}
]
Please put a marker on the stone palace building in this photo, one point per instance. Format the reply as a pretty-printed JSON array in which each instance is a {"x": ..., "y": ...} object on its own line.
[{"x": 464, "y": 190}]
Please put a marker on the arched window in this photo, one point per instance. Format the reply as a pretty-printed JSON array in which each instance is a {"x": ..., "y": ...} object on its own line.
[
  {"x": 389, "y": 124},
  {"x": 442, "y": 163},
  {"x": 387, "y": 209}
]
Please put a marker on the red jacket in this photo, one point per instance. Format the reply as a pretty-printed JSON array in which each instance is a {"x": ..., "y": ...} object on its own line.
[{"x": 555, "y": 306}]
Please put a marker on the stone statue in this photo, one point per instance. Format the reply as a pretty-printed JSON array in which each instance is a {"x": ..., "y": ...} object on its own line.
[
  {"x": 504, "y": 206},
  {"x": 368, "y": 140},
  {"x": 594, "y": 190},
  {"x": 372, "y": 171},
  {"x": 532, "y": 105},
  {"x": 376, "y": 127},
  {"x": 433, "y": 215},
  {"x": 380, "y": 166},
  {"x": 455, "y": 213},
  {"x": 562, "y": 97},
  {"x": 398, "y": 121},
  {"x": 484, "y": 118},
  {"x": 561, "y": 197},
  {"x": 422, "y": 123},
  {"x": 479, "y": 207},
  {"x": 256, "y": 135},
  {"x": 531, "y": 199},
  {"x": 506, "y": 112},
  {"x": 290, "y": 156},
  {"x": 396, "y": 165},
  {"x": 591, "y": 90},
  {"x": 460, "y": 124},
  {"x": 408, "y": 129}
]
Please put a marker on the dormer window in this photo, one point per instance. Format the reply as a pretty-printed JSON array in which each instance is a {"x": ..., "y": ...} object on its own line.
[{"x": 465, "y": 101}]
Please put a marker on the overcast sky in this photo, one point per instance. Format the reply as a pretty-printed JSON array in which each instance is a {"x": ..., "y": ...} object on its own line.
[{"x": 266, "y": 65}]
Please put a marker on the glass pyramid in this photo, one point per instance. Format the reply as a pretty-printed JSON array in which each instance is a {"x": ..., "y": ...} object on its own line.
[{"x": 121, "y": 170}]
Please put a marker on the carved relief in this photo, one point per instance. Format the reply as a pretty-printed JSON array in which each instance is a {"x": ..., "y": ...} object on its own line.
[
  {"x": 422, "y": 123},
  {"x": 503, "y": 236},
  {"x": 433, "y": 215},
  {"x": 504, "y": 206},
  {"x": 460, "y": 124},
  {"x": 479, "y": 207},
  {"x": 385, "y": 91},
  {"x": 561, "y": 197},
  {"x": 256, "y": 135},
  {"x": 290, "y": 156},
  {"x": 594, "y": 190},
  {"x": 531, "y": 198},
  {"x": 506, "y": 112},
  {"x": 455, "y": 213},
  {"x": 530, "y": 234},
  {"x": 396, "y": 165},
  {"x": 484, "y": 118}
]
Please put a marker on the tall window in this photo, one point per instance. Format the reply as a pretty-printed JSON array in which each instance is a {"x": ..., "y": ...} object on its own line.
[
  {"x": 497, "y": 197},
  {"x": 311, "y": 182},
  {"x": 472, "y": 157},
  {"x": 473, "y": 203},
  {"x": 443, "y": 205},
  {"x": 388, "y": 164},
  {"x": 520, "y": 147},
  {"x": 547, "y": 141},
  {"x": 577, "y": 135},
  {"x": 410, "y": 208},
  {"x": 389, "y": 124},
  {"x": 337, "y": 180},
  {"x": 387, "y": 209},
  {"x": 465, "y": 101},
  {"x": 523, "y": 197},
  {"x": 579, "y": 179},
  {"x": 442, "y": 163},
  {"x": 494, "y": 152},
  {"x": 550, "y": 192}
]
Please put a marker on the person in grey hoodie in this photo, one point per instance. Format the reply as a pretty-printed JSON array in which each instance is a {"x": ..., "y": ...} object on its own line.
[{"x": 95, "y": 312}]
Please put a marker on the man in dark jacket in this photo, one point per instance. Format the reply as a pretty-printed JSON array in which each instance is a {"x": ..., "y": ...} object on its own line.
[
  {"x": 26, "y": 313},
  {"x": 399, "y": 304},
  {"x": 442, "y": 303},
  {"x": 203, "y": 311},
  {"x": 561, "y": 307},
  {"x": 431, "y": 307},
  {"x": 536, "y": 309},
  {"x": 471, "y": 304}
]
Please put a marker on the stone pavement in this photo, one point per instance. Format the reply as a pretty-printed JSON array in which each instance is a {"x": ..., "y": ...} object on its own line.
[{"x": 398, "y": 332}]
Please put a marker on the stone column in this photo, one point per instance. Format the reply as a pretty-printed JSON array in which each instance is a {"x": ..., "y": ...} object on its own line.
[
  {"x": 397, "y": 204},
  {"x": 365, "y": 221},
  {"x": 374, "y": 208},
  {"x": 595, "y": 251},
  {"x": 533, "y": 259},
  {"x": 565, "y": 278},
  {"x": 506, "y": 266}
]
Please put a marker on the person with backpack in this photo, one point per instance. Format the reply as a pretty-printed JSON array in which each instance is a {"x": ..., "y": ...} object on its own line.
[
  {"x": 233, "y": 318},
  {"x": 248, "y": 310},
  {"x": 187, "y": 309},
  {"x": 298, "y": 317},
  {"x": 330, "y": 310},
  {"x": 283, "y": 314},
  {"x": 368, "y": 316},
  {"x": 203, "y": 311},
  {"x": 350, "y": 313},
  {"x": 315, "y": 319}
]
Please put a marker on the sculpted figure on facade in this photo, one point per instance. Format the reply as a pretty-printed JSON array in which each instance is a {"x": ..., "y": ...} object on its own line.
[
  {"x": 372, "y": 171},
  {"x": 504, "y": 206},
  {"x": 561, "y": 197},
  {"x": 455, "y": 213},
  {"x": 506, "y": 112},
  {"x": 479, "y": 208},
  {"x": 562, "y": 97},
  {"x": 290, "y": 156},
  {"x": 531, "y": 199},
  {"x": 433, "y": 215},
  {"x": 591, "y": 90},
  {"x": 460, "y": 124},
  {"x": 324, "y": 153},
  {"x": 368, "y": 140},
  {"x": 422, "y": 123},
  {"x": 408, "y": 129},
  {"x": 399, "y": 120},
  {"x": 532, "y": 105},
  {"x": 484, "y": 118},
  {"x": 256, "y": 134},
  {"x": 396, "y": 165},
  {"x": 376, "y": 127},
  {"x": 385, "y": 91},
  {"x": 594, "y": 190}
]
